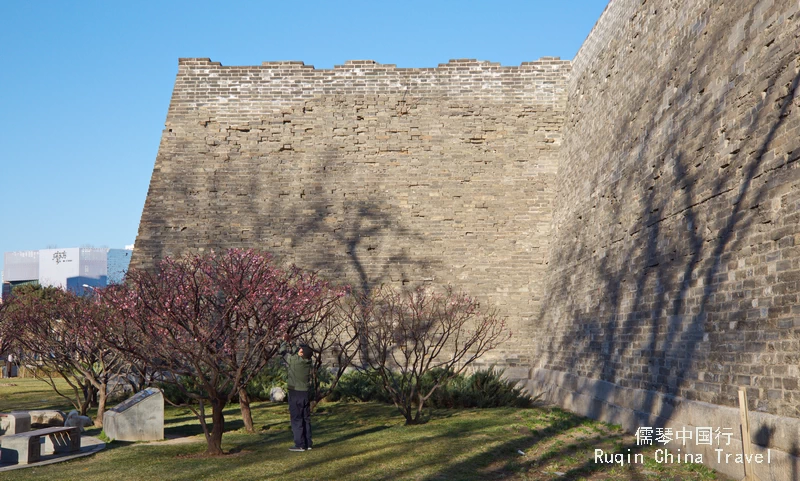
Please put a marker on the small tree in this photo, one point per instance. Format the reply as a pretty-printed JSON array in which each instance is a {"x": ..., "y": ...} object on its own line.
[
  {"x": 334, "y": 339},
  {"x": 6, "y": 335},
  {"x": 411, "y": 335},
  {"x": 214, "y": 321},
  {"x": 64, "y": 334},
  {"x": 315, "y": 313}
]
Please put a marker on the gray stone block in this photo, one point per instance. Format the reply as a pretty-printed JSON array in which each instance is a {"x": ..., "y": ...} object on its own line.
[
  {"x": 47, "y": 417},
  {"x": 140, "y": 418},
  {"x": 27, "y": 447},
  {"x": 14, "y": 422},
  {"x": 20, "y": 449}
]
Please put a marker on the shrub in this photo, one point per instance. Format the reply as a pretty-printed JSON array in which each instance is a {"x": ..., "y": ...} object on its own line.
[
  {"x": 361, "y": 386},
  {"x": 272, "y": 375},
  {"x": 483, "y": 389}
]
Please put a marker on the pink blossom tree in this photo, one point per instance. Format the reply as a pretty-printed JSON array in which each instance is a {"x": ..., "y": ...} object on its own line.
[
  {"x": 213, "y": 320},
  {"x": 63, "y": 334},
  {"x": 6, "y": 334}
]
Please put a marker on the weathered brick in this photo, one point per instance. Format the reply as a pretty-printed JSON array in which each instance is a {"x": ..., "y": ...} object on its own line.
[
  {"x": 673, "y": 166},
  {"x": 411, "y": 176}
]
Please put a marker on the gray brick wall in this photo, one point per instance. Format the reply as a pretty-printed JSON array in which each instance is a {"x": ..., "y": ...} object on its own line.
[
  {"x": 676, "y": 256},
  {"x": 367, "y": 173}
]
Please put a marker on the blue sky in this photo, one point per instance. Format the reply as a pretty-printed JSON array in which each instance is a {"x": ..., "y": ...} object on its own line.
[{"x": 85, "y": 86}]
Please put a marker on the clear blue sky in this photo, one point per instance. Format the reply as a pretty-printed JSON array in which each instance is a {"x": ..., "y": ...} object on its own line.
[{"x": 85, "y": 86}]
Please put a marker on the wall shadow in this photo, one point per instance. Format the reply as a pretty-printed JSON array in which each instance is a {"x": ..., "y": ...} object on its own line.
[{"x": 664, "y": 293}]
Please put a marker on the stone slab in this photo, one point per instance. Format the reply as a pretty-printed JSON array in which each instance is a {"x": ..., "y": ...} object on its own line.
[
  {"x": 14, "y": 422},
  {"x": 139, "y": 418}
]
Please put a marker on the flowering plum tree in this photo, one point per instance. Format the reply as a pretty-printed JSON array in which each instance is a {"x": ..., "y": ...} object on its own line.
[
  {"x": 213, "y": 320},
  {"x": 64, "y": 334},
  {"x": 6, "y": 334},
  {"x": 418, "y": 334}
]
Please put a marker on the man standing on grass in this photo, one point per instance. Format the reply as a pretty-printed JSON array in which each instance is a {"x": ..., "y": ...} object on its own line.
[{"x": 299, "y": 374}]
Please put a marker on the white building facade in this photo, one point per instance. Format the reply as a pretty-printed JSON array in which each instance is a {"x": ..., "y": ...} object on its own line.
[{"x": 76, "y": 269}]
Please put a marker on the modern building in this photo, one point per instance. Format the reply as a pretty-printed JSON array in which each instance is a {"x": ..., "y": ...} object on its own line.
[{"x": 77, "y": 269}]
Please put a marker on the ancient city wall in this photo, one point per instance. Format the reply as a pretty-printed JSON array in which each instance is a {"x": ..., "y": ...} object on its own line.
[
  {"x": 367, "y": 173},
  {"x": 674, "y": 271},
  {"x": 634, "y": 213}
]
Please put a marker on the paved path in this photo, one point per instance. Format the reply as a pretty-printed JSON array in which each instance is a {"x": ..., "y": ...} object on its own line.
[{"x": 172, "y": 439}]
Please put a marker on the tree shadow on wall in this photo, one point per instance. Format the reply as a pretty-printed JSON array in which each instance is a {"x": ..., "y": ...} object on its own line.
[
  {"x": 363, "y": 241},
  {"x": 662, "y": 294}
]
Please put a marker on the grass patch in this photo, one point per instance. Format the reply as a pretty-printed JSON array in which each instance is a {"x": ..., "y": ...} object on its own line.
[{"x": 362, "y": 441}]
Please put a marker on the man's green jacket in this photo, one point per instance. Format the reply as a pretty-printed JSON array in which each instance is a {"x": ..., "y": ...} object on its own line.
[{"x": 299, "y": 373}]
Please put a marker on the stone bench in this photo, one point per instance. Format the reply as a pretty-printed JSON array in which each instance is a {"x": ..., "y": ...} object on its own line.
[
  {"x": 26, "y": 448},
  {"x": 14, "y": 422}
]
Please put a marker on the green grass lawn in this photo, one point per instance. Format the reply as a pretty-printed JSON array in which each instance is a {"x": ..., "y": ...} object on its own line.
[{"x": 361, "y": 442}]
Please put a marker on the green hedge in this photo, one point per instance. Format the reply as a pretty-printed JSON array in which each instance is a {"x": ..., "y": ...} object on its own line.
[{"x": 483, "y": 389}]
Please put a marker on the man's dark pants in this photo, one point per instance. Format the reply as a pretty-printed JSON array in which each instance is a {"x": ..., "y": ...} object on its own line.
[{"x": 300, "y": 414}]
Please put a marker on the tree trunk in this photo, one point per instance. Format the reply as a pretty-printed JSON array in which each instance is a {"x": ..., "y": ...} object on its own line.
[
  {"x": 244, "y": 405},
  {"x": 418, "y": 417},
  {"x": 102, "y": 394},
  {"x": 86, "y": 402},
  {"x": 201, "y": 416},
  {"x": 407, "y": 415},
  {"x": 218, "y": 426}
]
